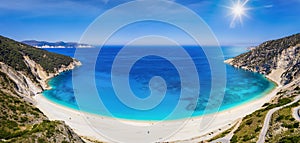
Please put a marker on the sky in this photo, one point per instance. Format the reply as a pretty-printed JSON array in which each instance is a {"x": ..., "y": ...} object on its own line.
[{"x": 67, "y": 20}]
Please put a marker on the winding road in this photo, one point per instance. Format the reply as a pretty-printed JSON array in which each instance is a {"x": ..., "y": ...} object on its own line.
[
  {"x": 262, "y": 135},
  {"x": 296, "y": 113}
]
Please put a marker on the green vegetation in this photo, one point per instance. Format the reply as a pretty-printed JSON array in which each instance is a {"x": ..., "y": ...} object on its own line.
[
  {"x": 281, "y": 102},
  {"x": 290, "y": 139},
  {"x": 283, "y": 126},
  {"x": 223, "y": 134},
  {"x": 17, "y": 117},
  {"x": 263, "y": 59},
  {"x": 21, "y": 122},
  {"x": 12, "y": 53},
  {"x": 250, "y": 127}
]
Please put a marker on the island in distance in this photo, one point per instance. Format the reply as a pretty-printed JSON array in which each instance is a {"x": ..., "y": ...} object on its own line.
[{"x": 60, "y": 44}]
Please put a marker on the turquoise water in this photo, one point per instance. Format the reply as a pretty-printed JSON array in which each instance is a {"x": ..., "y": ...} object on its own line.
[{"x": 241, "y": 87}]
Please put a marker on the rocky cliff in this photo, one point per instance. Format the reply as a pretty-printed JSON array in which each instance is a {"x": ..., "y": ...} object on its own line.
[
  {"x": 279, "y": 57},
  {"x": 24, "y": 71}
]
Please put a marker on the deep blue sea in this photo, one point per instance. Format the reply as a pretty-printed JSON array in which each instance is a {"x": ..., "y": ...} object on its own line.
[{"x": 241, "y": 86}]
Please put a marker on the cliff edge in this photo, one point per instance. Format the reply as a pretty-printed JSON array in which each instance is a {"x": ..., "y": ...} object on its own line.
[{"x": 279, "y": 59}]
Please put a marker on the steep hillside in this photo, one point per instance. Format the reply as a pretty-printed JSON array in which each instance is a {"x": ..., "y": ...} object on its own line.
[
  {"x": 280, "y": 60},
  {"x": 21, "y": 122},
  {"x": 281, "y": 56},
  {"x": 24, "y": 71},
  {"x": 12, "y": 53},
  {"x": 30, "y": 67}
]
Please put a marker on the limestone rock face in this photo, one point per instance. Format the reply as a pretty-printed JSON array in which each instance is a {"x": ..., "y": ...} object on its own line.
[
  {"x": 273, "y": 55},
  {"x": 41, "y": 75},
  {"x": 31, "y": 85}
]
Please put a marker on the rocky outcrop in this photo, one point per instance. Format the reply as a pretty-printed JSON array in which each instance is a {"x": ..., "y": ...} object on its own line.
[
  {"x": 275, "y": 55},
  {"x": 24, "y": 85},
  {"x": 292, "y": 73},
  {"x": 42, "y": 76}
]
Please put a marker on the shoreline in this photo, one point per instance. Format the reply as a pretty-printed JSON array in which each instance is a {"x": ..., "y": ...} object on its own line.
[
  {"x": 198, "y": 128},
  {"x": 76, "y": 109},
  {"x": 217, "y": 123}
]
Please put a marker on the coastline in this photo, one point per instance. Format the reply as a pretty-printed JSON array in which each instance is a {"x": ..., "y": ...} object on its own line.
[{"x": 215, "y": 123}]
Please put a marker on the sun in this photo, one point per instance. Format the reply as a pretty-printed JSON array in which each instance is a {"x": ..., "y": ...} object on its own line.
[{"x": 238, "y": 11}]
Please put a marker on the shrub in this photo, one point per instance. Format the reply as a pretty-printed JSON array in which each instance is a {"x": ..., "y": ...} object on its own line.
[
  {"x": 279, "y": 118},
  {"x": 296, "y": 125},
  {"x": 249, "y": 122},
  {"x": 257, "y": 129},
  {"x": 234, "y": 139},
  {"x": 290, "y": 139}
]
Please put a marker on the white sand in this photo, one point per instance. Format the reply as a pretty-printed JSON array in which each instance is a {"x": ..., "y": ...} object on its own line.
[
  {"x": 137, "y": 131},
  {"x": 275, "y": 75},
  {"x": 228, "y": 61}
]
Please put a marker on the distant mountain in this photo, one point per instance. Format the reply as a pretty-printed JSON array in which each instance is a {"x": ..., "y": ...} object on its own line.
[
  {"x": 280, "y": 57},
  {"x": 61, "y": 44}
]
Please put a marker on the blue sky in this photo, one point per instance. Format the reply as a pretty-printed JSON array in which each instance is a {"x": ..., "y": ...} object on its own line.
[{"x": 66, "y": 20}]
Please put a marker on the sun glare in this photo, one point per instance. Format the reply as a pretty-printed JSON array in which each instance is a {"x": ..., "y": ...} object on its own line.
[{"x": 238, "y": 10}]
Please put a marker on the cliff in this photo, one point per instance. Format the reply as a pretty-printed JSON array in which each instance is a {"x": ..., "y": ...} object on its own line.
[
  {"x": 278, "y": 58},
  {"x": 24, "y": 71}
]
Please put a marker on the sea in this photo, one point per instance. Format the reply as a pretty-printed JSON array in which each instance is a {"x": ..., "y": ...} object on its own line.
[{"x": 163, "y": 101}]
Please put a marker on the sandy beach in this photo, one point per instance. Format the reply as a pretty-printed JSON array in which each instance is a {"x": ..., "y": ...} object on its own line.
[{"x": 118, "y": 130}]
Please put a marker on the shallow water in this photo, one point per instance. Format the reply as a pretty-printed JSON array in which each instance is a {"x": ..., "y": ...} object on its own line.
[{"x": 241, "y": 86}]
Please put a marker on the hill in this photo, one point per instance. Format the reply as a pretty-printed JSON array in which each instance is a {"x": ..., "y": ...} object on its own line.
[
  {"x": 275, "y": 121},
  {"x": 24, "y": 71},
  {"x": 29, "y": 67},
  {"x": 279, "y": 58}
]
